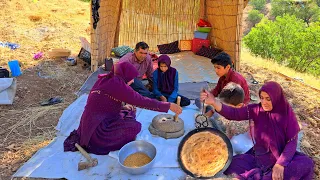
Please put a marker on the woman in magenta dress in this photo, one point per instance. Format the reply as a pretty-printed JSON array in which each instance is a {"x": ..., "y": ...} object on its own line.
[
  {"x": 106, "y": 125},
  {"x": 275, "y": 137}
]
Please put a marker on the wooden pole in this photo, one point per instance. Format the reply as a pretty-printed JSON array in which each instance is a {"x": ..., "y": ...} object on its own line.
[{"x": 178, "y": 102}]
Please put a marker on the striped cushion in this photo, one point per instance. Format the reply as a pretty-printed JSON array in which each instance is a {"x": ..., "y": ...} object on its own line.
[
  {"x": 169, "y": 48},
  {"x": 208, "y": 52}
]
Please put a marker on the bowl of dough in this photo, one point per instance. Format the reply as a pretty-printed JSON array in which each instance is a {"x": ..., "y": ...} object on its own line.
[{"x": 137, "y": 157}]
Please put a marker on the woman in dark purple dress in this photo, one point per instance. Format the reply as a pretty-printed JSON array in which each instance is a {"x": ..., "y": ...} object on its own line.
[
  {"x": 275, "y": 136},
  {"x": 106, "y": 125}
]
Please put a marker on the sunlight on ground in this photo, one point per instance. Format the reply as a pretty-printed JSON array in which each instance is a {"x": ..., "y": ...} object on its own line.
[
  {"x": 43, "y": 25},
  {"x": 250, "y": 60}
]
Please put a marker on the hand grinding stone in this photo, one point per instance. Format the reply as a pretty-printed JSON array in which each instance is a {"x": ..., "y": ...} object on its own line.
[
  {"x": 166, "y": 123},
  {"x": 165, "y": 126}
]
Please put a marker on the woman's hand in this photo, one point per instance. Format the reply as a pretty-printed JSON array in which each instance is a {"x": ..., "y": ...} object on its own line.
[
  {"x": 209, "y": 114},
  {"x": 129, "y": 107},
  {"x": 175, "y": 108},
  {"x": 207, "y": 97},
  {"x": 163, "y": 99},
  {"x": 277, "y": 172}
]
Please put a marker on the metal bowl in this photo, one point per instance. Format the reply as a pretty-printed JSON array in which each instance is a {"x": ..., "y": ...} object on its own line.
[{"x": 134, "y": 147}]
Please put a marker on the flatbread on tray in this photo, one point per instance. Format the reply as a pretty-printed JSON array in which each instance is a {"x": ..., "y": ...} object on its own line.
[{"x": 204, "y": 154}]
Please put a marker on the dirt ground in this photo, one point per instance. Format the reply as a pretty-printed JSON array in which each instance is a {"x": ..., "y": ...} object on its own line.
[{"x": 25, "y": 126}]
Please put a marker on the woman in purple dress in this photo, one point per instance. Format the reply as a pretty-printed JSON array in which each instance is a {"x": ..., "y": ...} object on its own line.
[
  {"x": 275, "y": 136},
  {"x": 106, "y": 125}
]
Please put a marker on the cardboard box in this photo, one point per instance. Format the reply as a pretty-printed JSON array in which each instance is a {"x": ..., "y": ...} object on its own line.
[{"x": 59, "y": 53}]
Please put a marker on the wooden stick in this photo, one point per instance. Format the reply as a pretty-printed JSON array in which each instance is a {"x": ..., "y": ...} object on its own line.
[
  {"x": 178, "y": 102},
  {"x": 83, "y": 152}
]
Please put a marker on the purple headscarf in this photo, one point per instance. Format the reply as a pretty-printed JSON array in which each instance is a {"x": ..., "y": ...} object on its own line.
[
  {"x": 281, "y": 123},
  {"x": 123, "y": 70},
  {"x": 166, "y": 83}
]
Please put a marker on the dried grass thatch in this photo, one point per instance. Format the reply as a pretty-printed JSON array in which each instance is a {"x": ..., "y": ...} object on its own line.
[{"x": 126, "y": 22}]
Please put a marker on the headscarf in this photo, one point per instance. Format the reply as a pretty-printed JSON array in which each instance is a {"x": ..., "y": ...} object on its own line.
[
  {"x": 123, "y": 70},
  {"x": 166, "y": 79},
  {"x": 283, "y": 125}
]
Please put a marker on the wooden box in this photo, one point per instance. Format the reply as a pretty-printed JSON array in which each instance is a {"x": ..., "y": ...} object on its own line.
[{"x": 185, "y": 45}]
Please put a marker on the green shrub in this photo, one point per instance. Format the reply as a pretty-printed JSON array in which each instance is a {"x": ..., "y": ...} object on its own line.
[
  {"x": 258, "y": 4},
  {"x": 308, "y": 11},
  {"x": 255, "y": 16},
  {"x": 287, "y": 41}
]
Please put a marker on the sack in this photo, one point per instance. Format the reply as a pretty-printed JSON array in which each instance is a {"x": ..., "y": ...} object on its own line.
[
  {"x": 4, "y": 73},
  {"x": 85, "y": 55},
  {"x": 8, "y": 88}
]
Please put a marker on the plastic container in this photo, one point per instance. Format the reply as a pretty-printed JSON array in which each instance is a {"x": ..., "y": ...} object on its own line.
[
  {"x": 200, "y": 35},
  {"x": 108, "y": 64},
  {"x": 204, "y": 29},
  {"x": 71, "y": 61},
  {"x": 14, "y": 68},
  {"x": 198, "y": 43}
]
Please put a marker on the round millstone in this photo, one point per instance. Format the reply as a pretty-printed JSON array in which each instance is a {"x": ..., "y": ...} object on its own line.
[
  {"x": 166, "y": 135},
  {"x": 166, "y": 123}
]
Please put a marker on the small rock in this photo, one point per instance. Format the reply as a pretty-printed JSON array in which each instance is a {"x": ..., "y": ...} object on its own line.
[
  {"x": 16, "y": 98},
  {"x": 10, "y": 146},
  {"x": 25, "y": 88},
  {"x": 305, "y": 144}
]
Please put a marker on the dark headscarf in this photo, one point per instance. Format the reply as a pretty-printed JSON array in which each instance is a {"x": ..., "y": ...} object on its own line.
[
  {"x": 166, "y": 83},
  {"x": 123, "y": 70},
  {"x": 282, "y": 123}
]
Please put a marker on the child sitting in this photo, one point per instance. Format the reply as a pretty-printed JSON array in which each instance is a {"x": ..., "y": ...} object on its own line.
[
  {"x": 222, "y": 65},
  {"x": 166, "y": 82},
  {"x": 232, "y": 95}
]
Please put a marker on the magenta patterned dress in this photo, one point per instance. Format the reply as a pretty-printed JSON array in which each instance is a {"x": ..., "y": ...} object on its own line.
[{"x": 105, "y": 126}]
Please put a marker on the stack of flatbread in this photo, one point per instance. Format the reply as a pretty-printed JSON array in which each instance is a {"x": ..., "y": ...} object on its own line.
[{"x": 204, "y": 154}]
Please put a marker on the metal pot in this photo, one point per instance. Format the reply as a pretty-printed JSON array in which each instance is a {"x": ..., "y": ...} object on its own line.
[
  {"x": 134, "y": 147},
  {"x": 216, "y": 132}
]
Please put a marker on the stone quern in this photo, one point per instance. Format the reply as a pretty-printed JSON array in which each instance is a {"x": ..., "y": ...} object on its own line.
[{"x": 165, "y": 126}]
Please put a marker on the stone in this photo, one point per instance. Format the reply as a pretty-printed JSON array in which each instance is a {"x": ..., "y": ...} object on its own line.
[
  {"x": 166, "y": 123},
  {"x": 165, "y": 126},
  {"x": 166, "y": 135},
  {"x": 305, "y": 144}
]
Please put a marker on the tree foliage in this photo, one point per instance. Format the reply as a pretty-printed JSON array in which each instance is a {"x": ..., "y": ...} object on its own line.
[
  {"x": 288, "y": 41},
  {"x": 258, "y": 4},
  {"x": 308, "y": 11},
  {"x": 255, "y": 16}
]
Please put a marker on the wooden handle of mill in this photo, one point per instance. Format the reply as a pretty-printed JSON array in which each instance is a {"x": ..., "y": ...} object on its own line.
[
  {"x": 178, "y": 103},
  {"x": 83, "y": 152}
]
